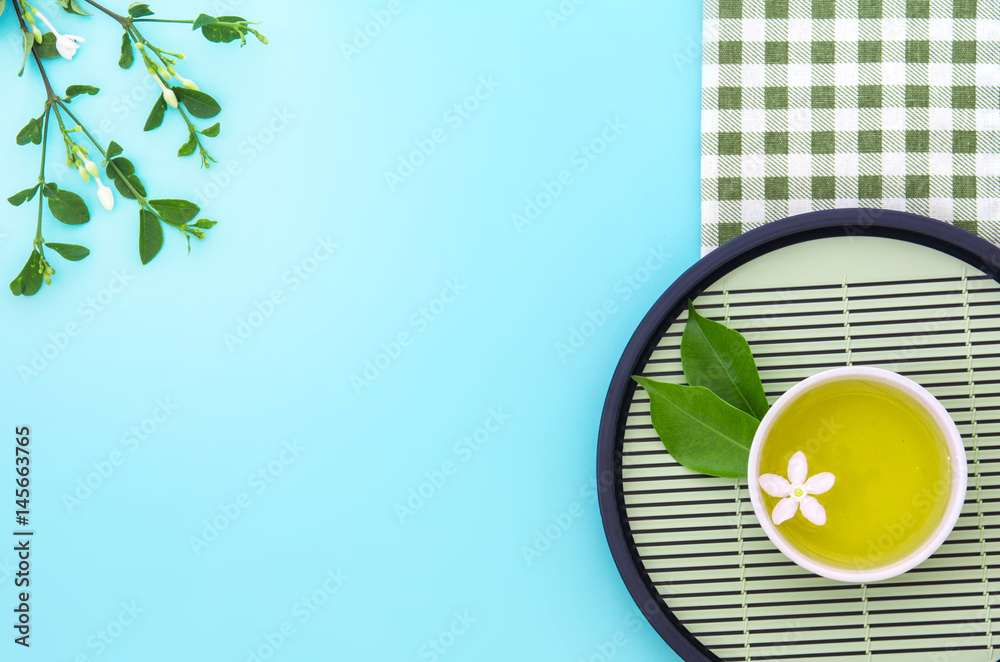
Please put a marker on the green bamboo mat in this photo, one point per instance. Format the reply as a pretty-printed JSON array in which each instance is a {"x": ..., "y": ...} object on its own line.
[{"x": 805, "y": 308}]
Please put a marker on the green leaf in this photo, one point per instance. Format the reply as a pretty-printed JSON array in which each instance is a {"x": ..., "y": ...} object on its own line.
[
  {"x": 26, "y": 195},
  {"x": 225, "y": 30},
  {"x": 114, "y": 149},
  {"x": 3, "y": 5},
  {"x": 128, "y": 54},
  {"x": 155, "y": 118},
  {"x": 76, "y": 90},
  {"x": 203, "y": 20},
  {"x": 136, "y": 184},
  {"x": 187, "y": 149},
  {"x": 70, "y": 252},
  {"x": 139, "y": 9},
  {"x": 29, "y": 281},
  {"x": 31, "y": 132},
  {"x": 124, "y": 167},
  {"x": 27, "y": 40},
  {"x": 212, "y": 131},
  {"x": 699, "y": 429},
  {"x": 66, "y": 206},
  {"x": 175, "y": 212},
  {"x": 719, "y": 358},
  {"x": 72, "y": 7},
  {"x": 47, "y": 49},
  {"x": 123, "y": 175},
  {"x": 205, "y": 224},
  {"x": 198, "y": 103},
  {"x": 150, "y": 236}
]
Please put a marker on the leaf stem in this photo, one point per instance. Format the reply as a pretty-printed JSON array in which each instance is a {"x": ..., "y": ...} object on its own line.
[
  {"x": 160, "y": 20},
  {"x": 50, "y": 94},
  {"x": 50, "y": 97},
  {"x": 124, "y": 21},
  {"x": 41, "y": 177},
  {"x": 118, "y": 17}
]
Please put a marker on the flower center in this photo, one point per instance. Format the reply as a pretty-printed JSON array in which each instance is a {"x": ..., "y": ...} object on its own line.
[{"x": 798, "y": 491}]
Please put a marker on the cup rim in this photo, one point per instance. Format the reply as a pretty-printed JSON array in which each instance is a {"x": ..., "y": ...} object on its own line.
[{"x": 959, "y": 466}]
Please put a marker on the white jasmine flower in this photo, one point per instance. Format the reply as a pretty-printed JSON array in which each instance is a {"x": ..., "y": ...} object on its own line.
[
  {"x": 186, "y": 82},
  {"x": 797, "y": 491},
  {"x": 66, "y": 44}
]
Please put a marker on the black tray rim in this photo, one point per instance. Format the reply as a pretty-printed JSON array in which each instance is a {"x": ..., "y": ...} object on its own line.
[{"x": 944, "y": 237}]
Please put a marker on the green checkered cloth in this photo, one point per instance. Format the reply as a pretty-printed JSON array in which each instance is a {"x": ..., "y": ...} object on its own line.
[{"x": 821, "y": 104}]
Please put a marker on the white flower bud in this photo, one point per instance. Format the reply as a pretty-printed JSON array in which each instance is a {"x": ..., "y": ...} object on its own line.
[
  {"x": 188, "y": 83},
  {"x": 91, "y": 167},
  {"x": 37, "y": 34},
  {"x": 105, "y": 194},
  {"x": 168, "y": 94},
  {"x": 170, "y": 97},
  {"x": 84, "y": 175}
]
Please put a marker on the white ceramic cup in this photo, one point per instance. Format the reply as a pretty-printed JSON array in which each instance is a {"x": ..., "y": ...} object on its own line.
[{"x": 949, "y": 432}]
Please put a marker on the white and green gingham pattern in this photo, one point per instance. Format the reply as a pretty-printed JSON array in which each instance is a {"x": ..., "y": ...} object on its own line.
[{"x": 820, "y": 104}]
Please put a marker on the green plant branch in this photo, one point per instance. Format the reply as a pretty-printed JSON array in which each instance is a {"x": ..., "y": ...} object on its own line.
[
  {"x": 202, "y": 152},
  {"x": 67, "y": 206},
  {"x": 140, "y": 199},
  {"x": 127, "y": 23},
  {"x": 49, "y": 92},
  {"x": 161, "y": 20},
  {"x": 41, "y": 178},
  {"x": 124, "y": 20},
  {"x": 138, "y": 196},
  {"x": 65, "y": 135},
  {"x": 167, "y": 62},
  {"x": 50, "y": 97}
]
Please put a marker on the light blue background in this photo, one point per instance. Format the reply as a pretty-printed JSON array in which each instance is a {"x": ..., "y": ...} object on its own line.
[{"x": 338, "y": 126}]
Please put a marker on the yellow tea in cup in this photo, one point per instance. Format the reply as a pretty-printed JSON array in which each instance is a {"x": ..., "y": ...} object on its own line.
[{"x": 858, "y": 474}]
